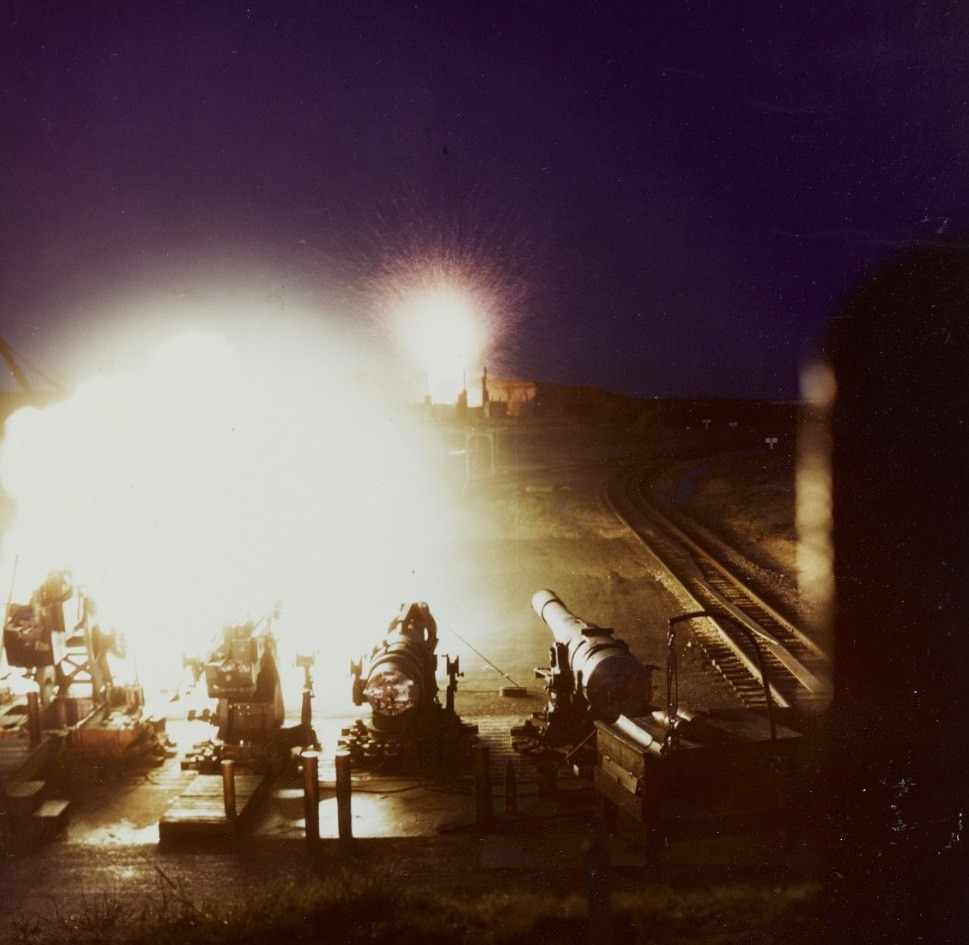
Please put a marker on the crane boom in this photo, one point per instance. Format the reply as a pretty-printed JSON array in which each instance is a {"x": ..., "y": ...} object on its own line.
[{"x": 17, "y": 362}]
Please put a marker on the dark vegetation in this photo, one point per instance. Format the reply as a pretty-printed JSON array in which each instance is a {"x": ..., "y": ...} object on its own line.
[{"x": 355, "y": 907}]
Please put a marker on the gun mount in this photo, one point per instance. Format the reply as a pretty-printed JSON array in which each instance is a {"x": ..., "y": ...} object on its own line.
[
  {"x": 242, "y": 673},
  {"x": 399, "y": 683},
  {"x": 61, "y": 710},
  {"x": 682, "y": 774},
  {"x": 66, "y": 660},
  {"x": 592, "y": 676}
]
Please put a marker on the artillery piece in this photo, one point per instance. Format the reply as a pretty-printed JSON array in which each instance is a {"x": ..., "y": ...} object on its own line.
[
  {"x": 408, "y": 725},
  {"x": 592, "y": 676},
  {"x": 682, "y": 774},
  {"x": 242, "y": 673}
]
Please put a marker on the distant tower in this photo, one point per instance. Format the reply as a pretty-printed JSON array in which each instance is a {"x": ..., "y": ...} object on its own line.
[
  {"x": 462, "y": 405},
  {"x": 484, "y": 393}
]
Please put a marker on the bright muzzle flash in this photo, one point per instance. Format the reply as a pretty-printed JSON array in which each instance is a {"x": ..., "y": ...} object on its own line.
[{"x": 218, "y": 482}]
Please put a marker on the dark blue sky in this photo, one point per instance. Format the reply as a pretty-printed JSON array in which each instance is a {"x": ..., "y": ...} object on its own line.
[{"x": 674, "y": 195}]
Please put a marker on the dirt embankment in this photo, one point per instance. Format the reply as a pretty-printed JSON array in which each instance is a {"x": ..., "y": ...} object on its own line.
[{"x": 747, "y": 497}]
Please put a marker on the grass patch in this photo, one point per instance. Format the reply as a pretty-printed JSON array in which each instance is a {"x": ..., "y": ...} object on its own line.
[{"x": 356, "y": 908}]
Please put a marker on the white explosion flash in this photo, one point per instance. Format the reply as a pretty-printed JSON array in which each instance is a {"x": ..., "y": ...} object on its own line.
[{"x": 210, "y": 486}]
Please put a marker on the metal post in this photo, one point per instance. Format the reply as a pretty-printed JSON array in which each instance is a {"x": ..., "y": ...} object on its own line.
[
  {"x": 483, "y": 808},
  {"x": 511, "y": 789},
  {"x": 229, "y": 788},
  {"x": 311, "y": 793},
  {"x": 33, "y": 718},
  {"x": 343, "y": 795},
  {"x": 672, "y": 737},
  {"x": 672, "y": 693},
  {"x": 306, "y": 712}
]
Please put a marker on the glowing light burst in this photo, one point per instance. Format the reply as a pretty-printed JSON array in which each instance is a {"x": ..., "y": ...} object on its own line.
[
  {"x": 216, "y": 483},
  {"x": 448, "y": 288},
  {"x": 444, "y": 332}
]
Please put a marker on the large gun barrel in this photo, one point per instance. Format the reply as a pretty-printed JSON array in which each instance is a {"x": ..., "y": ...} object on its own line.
[{"x": 607, "y": 677}]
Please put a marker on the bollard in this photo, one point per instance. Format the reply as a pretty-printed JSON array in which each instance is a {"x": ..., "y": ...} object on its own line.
[
  {"x": 511, "y": 789},
  {"x": 483, "y": 809},
  {"x": 311, "y": 793},
  {"x": 229, "y": 788},
  {"x": 33, "y": 718},
  {"x": 306, "y": 714},
  {"x": 343, "y": 794},
  {"x": 600, "y": 920}
]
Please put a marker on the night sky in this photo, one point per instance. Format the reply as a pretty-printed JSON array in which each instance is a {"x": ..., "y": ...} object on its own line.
[{"x": 671, "y": 198}]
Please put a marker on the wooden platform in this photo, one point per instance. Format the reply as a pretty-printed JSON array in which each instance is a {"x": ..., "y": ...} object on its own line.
[
  {"x": 21, "y": 762},
  {"x": 199, "y": 811}
]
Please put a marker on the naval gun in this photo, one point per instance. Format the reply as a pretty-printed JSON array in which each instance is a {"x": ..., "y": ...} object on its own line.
[
  {"x": 241, "y": 673},
  {"x": 67, "y": 661},
  {"x": 680, "y": 773},
  {"x": 592, "y": 676},
  {"x": 67, "y": 700},
  {"x": 398, "y": 680}
]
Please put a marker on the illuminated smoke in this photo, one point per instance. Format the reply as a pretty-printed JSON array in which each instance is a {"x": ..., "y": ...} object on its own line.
[{"x": 217, "y": 482}]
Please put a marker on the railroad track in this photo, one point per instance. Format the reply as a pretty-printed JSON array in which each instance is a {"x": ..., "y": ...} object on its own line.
[{"x": 746, "y": 638}]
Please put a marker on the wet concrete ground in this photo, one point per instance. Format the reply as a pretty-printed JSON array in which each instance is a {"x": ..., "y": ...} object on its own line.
[
  {"x": 413, "y": 829},
  {"x": 419, "y": 831},
  {"x": 112, "y": 804}
]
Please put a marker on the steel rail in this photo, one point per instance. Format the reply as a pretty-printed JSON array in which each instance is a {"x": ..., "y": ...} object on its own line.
[
  {"x": 732, "y": 578},
  {"x": 798, "y": 670}
]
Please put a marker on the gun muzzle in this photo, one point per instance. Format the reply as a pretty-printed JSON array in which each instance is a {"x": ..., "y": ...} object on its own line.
[{"x": 400, "y": 678}]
